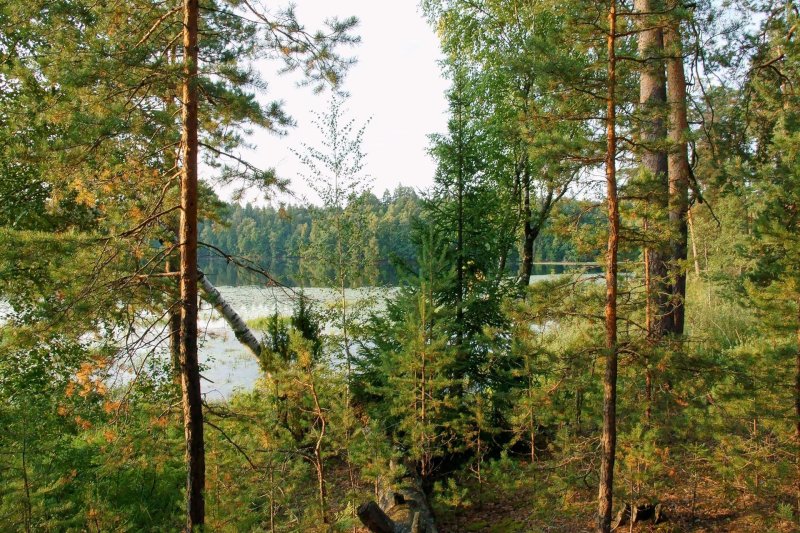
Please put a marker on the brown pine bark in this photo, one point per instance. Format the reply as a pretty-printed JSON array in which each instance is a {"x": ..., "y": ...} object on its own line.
[
  {"x": 679, "y": 172},
  {"x": 190, "y": 371},
  {"x": 609, "y": 437},
  {"x": 652, "y": 137},
  {"x": 797, "y": 404}
]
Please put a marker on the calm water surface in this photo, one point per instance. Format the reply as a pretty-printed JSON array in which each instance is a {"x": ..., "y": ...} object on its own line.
[{"x": 228, "y": 365}]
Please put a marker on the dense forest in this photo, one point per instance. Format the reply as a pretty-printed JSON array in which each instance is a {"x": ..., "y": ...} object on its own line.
[
  {"x": 277, "y": 237},
  {"x": 659, "y": 139}
]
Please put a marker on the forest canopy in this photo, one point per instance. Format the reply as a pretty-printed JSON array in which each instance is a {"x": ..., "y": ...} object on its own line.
[{"x": 170, "y": 361}]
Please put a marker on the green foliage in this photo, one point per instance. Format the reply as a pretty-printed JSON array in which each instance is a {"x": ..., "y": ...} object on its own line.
[{"x": 486, "y": 389}]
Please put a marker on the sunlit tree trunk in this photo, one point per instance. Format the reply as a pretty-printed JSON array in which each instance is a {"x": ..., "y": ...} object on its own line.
[
  {"x": 797, "y": 405},
  {"x": 190, "y": 371},
  {"x": 679, "y": 172},
  {"x": 609, "y": 437},
  {"x": 653, "y": 134}
]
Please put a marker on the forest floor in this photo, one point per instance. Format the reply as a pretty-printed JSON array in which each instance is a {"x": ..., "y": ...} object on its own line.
[
  {"x": 523, "y": 509},
  {"x": 712, "y": 514}
]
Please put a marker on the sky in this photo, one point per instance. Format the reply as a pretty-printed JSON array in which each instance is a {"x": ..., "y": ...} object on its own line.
[{"x": 396, "y": 84}]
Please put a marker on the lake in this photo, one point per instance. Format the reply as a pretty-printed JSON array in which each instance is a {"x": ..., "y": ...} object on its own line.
[{"x": 230, "y": 367}]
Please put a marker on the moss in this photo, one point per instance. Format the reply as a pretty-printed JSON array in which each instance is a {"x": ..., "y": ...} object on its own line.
[
  {"x": 476, "y": 526},
  {"x": 509, "y": 525}
]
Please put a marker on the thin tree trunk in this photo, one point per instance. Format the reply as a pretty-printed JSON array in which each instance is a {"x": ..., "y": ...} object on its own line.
[
  {"x": 797, "y": 404},
  {"x": 690, "y": 220},
  {"x": 424, "y": 391},
  {"x": 28, "y": 514},
  {"x": 174, "y": 318},
  {"x": 460, "y": 237},
  {"x": 653, "y": 134},
  {"x": 609, "y": 437},
  {"x": 243, "y": 334},
  {"x": 679, "y": 172},
  {"x": 318, "y": 459},
  {"x": 526, "y": 268},
  {"x": 190, "y": 371},
  {"x": 534, "y": 227}
]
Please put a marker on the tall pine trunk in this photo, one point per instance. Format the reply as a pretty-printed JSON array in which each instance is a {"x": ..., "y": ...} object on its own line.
[
  {"x": 679, "y": 173},
  {"x": 653, "y": 135},
  {"x": 797, "y": 405},
  {"x": 190, "y": 371},
  {"x": 460, "y": 234},
  {"x": 609, "y": 437}
]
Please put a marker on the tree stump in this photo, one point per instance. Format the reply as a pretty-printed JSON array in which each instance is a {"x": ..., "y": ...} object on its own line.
[
  {"x": 404, "y": 510},
  {"x": 639, "y": 513}
]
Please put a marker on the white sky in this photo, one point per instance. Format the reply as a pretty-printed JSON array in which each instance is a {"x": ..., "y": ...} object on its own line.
[{"x": 397, "y": 82}]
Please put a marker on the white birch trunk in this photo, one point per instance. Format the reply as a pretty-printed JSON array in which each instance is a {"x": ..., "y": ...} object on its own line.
[{"x": 243, "y": 334}]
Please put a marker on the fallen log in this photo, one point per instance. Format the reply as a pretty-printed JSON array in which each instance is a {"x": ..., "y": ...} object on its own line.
[
  {"x": 373, "y": 517},
  {"x": 404, "y": 510}
]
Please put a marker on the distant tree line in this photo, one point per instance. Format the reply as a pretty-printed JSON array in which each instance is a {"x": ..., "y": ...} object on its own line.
[{"x": 275, "y": 237}]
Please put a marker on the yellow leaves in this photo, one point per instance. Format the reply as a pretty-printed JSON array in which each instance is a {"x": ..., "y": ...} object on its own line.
[
  {"x": 82, "y": 423},
  {"x": 84, "y": 379},
  {"x": 111, "y": 407},
  {"x": 159, "y": 422},
  {"x": 304, "y": 359},
  {"x": 134, "y": 213},
  {"x": 62, "y": 410},
  {"x": 109, "y": 435},
  {"x": 84, "y": 195},
  {"x": 86, "y": 382}
]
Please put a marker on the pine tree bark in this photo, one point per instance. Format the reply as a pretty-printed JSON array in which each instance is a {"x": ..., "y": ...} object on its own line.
[
  {"x": 460, "y": 234},
  {"x": 190, "y": 371},
  {"x": 797, "y": 404},
  {"x": 653, "y": 136},
  {"x": 679, "y": 172},
  {"x": 609, "y": 437}
]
